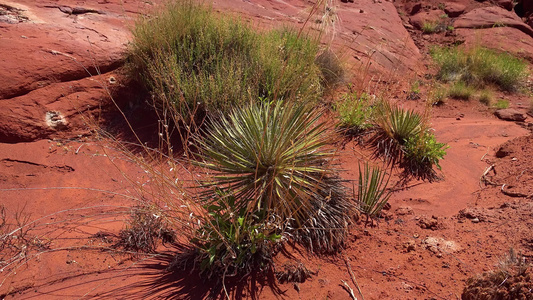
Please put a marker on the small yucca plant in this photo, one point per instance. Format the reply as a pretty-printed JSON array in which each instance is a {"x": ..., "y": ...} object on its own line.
[
  {"x": 372, "y": 191},
  {"x": 276, "y": 161},
  {"x": 395, "y": 127}
]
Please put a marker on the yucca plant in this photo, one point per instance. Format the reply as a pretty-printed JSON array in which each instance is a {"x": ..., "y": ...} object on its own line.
[
  {"x": 372, "y": 191},
  {"x": 395, "y": 126},
  {"x": 276, "y": 161}
]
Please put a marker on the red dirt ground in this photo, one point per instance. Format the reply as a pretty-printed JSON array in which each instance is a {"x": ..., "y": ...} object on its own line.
[{"x": 74, "y": 184}]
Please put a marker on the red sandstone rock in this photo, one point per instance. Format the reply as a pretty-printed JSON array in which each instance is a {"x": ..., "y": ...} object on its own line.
[
  {"x": 507, "y": 4},
  {"x": 453, "y": 10},
  {"x": 510, "y": 114},
  {"x": 432, "y": 16},
  {"x": 487, "y": 17}
]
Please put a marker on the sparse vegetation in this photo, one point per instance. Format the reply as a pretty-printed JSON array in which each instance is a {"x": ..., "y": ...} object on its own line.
[
  {"x": 485, "y": 97},
  {"x": 461, "y": 91},
  {"x": 145, "y": 228},
  {"x": 429, "y": 27},
  {"x": 414, "y": 92},
  {"x": 479, "y": 66},
  {"x": 355, "y": 112},
  {"x": 439, "y": 95},
  {"x": 502, "y": 103}
]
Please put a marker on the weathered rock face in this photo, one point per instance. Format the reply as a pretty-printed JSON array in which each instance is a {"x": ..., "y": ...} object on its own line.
[
  {"x": 490, "y": 17},
  {"x": 51, "y": 50},
  {"x": 369, "y": 30},
  {"x": 507, "y": 4},
  {"x": 46, "y": 49},
  {"x": 432, "y": 16},
  {"x": 453, "y": 10},
  {"x": 496, "y": 28},
  {"x": 510, "y": 114}
]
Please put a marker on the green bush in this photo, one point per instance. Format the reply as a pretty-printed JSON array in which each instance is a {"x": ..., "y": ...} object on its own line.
[
  {"x": 422, "y": 153},
  {"x": 461, "y": 91},
  {"x": 232, "y": 242},
  {"x": 439, "y": 95},
  {"x": 480, "y": 66},
  {"x": 195, "y": 60},
  {"x": 355, "y": 113},
  {"x": 276, "y": 161},
  {"x": 502, "y": 103}
]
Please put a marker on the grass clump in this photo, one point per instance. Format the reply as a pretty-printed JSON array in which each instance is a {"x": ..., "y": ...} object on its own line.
[
  {"x": 479, "y": 66},
  {"x": 429, "y": 27},
  {"x": 232, "y": 242},
  {"x": 355, "y": 113},
  {"x": 145, "y": 228},
  {"x": 501, "y": 104},
  {"x": 461, "y": 91},
  {"x": 195, "y": 60},
  {"x": 485, "y": 97}
]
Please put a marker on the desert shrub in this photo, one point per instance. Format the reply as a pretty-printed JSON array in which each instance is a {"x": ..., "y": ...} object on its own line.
[
  {"x": 233, "y": 242},
  {"x": 195, "y": 60},
  {"x": 439, "y": 95},
  {"x": 145, "y": 228},
  {"x": 512, "y": 279},
  {"x": 429, "y": 27},
  {"x": 485, "y": 97},
  {"x": 461, "y": 91},
  {"x": 394, "y": 127},
  {"x": 422, "y": 154},
  {"x": 372, "y": 193},
  {"x": 277, "y": 162},
  {"x": 502, "y": 103},
  {"x": 355, "y": 112},
  {"x": 479, "y": 66},
  {"x": 331, "y": 68}
]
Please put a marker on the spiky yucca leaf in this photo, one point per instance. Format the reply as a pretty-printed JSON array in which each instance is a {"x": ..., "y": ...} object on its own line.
[
  {"x": 396, "y": 125},
  {"x": 273, "y": 158},
  {"x": 372, "y": 190}
]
